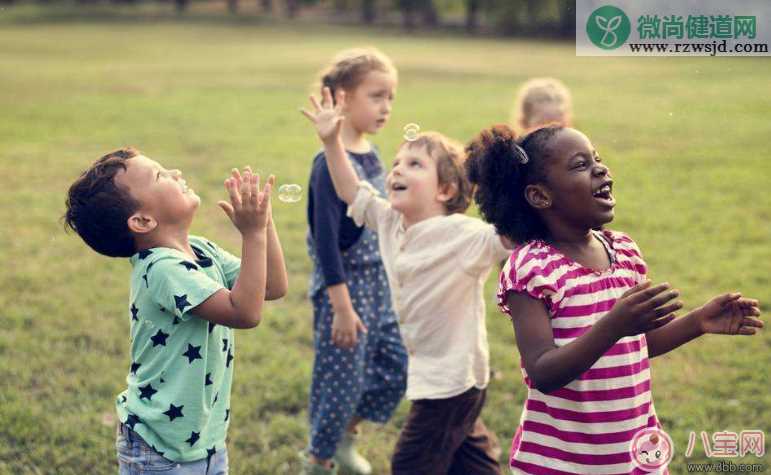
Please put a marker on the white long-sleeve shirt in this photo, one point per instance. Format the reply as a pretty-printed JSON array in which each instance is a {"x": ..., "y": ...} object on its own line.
[{"x": 436, "y": 270}]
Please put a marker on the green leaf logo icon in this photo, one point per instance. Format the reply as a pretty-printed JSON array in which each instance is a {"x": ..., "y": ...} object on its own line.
[{"x": 608, "y": 27}]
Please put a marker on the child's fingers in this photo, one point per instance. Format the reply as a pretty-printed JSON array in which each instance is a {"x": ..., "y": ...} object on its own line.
[
  {"x": 232, "y": 188},
  {"x": 667, "y": 309},
  {"x": 725, "y": 299},
  {"x": 659, "y": 323},
  {"x": 265, "y": 195},
  {"x": 636, "y": 288},
  {"x": 745, "y": 302},
  {"x": 307, "y": 114},
  {"x": 315, "y": 103},
  {"x": 227, "y": 208},
  {"x": 326, "y": 99},
  {"x": 245, "y": 192},
  {"x": 752, "y": 322},
  {"x": 648, "y": 295},
  {"x": 254, "y": 189},
  {"x": 746, "y": 331}
]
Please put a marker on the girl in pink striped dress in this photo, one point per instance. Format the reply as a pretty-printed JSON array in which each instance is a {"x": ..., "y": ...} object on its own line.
[{"x": 585, "y": 316}]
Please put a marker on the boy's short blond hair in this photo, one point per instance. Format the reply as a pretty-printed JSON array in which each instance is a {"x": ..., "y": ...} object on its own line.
[
  {"x": 449, "y": 156},
  {"x": 542, "y": 101}
]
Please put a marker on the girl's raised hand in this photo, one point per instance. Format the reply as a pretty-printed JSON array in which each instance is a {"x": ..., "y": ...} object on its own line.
[
  {"x": 643, "y": 308},
  {"x": 327, "y": 117},
  {"x": 730, "y": 314},
  {"x": 249, "y": 208}
]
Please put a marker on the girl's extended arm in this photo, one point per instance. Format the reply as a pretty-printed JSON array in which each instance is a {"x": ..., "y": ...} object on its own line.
[
  {"x": 727, "y": 314},
  {"x": 328, "y": 120},
  {"x": 550, "y": 367}
]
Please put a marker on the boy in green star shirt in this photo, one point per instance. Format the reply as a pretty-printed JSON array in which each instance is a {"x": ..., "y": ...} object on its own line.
[{"x": 187, "y": 296}]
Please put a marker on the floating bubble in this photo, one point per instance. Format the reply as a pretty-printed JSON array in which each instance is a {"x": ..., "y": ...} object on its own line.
[
  {"x": 290, "y": 193},
  {"x": 671, "y": 114},
  {"x": 411, "y": 132}
]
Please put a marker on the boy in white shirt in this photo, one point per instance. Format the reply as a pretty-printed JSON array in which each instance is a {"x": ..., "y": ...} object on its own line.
[{"x": 437, "y": 260}]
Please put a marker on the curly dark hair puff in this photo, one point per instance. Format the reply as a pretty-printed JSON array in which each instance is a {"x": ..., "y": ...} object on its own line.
[{"x": 500, "y": 168}]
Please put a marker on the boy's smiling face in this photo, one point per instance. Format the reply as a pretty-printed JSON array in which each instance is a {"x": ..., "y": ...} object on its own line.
[
  {"x": 413, "y": 185},
  {"x": 163, "y": 194}
]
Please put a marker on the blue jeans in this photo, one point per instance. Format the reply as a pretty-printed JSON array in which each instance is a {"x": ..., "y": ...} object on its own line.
[{"x": 136, "y": 457}]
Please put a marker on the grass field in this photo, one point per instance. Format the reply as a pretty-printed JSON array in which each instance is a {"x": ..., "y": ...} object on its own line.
[{"x": 687, "y": 140}]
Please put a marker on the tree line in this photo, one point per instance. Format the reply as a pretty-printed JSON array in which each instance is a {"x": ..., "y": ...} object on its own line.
[{"x": 517, "y": 17}]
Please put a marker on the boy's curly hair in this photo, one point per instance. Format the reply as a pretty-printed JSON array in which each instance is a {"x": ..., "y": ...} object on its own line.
[
  {"x": 98, "y": 209},
  {"x": 500, "y": 167},
  {"x": 449, "y": 157}
]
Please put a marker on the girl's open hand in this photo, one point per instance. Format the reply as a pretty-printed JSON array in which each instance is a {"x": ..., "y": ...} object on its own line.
[
  {"x": 249, "y": 208},
  {"x": 643, "y": 308},
  {"x": 327, "y": 117},
  {"x": 730, "y": 314}
]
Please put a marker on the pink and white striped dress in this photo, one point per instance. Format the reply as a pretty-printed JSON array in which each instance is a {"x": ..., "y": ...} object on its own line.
[{"x": 585, "y": 427}]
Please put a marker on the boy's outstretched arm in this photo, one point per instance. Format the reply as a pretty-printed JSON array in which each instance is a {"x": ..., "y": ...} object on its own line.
[
  {"x": 727, "y": 314},
  {"x": 249, "y": 209},
  {"x": 328, "y": 120}
]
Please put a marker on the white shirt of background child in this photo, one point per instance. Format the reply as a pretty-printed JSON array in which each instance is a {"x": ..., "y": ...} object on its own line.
[{"x": 436, "y": 270}]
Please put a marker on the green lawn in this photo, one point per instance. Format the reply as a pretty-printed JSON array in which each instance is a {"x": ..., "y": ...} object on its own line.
[{"x": 686, "y": 138}]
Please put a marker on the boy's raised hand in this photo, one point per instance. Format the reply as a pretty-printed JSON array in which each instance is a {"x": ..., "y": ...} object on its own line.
[
  {"x": 730, "y": 314},
  {"x": 249, "y": 208},
  {"x": 326, "y": 116},
  {"x": 643, "y": 308}
]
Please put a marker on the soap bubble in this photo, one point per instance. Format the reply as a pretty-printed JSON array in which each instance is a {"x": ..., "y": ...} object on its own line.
[
  {"x": 290, "y": 193},
  {"x": 411, "y": 132}
]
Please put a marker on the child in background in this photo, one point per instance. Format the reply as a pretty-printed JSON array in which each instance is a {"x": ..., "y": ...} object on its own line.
[
  {"x": 542, "y": 101},
  {"x": 187, "y": 294},
  {"x": 585, "y": 316},
  {"x": 436, "y": 259},
  {"x": 359, "y": 370}
]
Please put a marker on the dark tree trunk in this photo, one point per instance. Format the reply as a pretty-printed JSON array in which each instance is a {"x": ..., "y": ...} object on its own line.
[
  {"x": 233, "y": 6},
  {"x": 407, "y": 7},
  {"x": 181, "y": 5},
  {"x": 472, "y": 15},
  {"x": 292, "y": 6},
  {"x": 567, "y": 18},
  {"x": 266, "y": 5},
  {"x": 368, "y": 11},
  {"x": 429, "y": 13}
]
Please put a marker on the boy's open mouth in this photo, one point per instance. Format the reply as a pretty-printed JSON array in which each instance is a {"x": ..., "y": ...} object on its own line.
[{"x": 398, "y": 187}]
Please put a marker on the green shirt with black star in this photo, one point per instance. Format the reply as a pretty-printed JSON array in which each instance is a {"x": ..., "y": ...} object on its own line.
[{"x": 178, "y": 395}]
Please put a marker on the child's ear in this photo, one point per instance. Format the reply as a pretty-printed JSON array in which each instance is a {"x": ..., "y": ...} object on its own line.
[
  {"x": 538, "y": 196},
  {"x": 140, "y": 223},
  {"x": 447, "y": 192}
]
